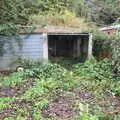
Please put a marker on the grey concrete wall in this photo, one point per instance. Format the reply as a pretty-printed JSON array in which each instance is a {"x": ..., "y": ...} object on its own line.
[
  {"x": 45, "y": 47},
  {"x": 82, "y": 47},
  {"x": 90, "y": 46},
  {"x": 33, "y": 47}
]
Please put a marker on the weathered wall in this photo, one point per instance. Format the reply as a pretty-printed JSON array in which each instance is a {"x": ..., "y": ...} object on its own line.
[{"x": 33, "y": 45}]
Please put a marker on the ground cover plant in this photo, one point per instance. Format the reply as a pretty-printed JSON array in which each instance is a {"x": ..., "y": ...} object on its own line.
[{"x": 69, "y": 91}]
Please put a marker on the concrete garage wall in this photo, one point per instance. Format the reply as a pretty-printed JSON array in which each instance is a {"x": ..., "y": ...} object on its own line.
[{"x": 33, "y": 48}]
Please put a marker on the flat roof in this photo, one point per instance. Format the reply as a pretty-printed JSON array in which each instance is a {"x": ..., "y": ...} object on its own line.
[
  {"x": 64, "y": 34},
  {"x": 52, "y": 30}
]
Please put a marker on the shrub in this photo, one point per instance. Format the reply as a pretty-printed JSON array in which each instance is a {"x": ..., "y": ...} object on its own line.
[
  {"x": 115, "y": 45},
  {"x": 93, "y": 69},
  {"x": 66, "y": 19},
  {"x": 108, "y": 47},
  {"x": 41, "y": 70},
  {"x": 29, "y": 64},
  {"x": 101, "y": 46},
  {"x": 116, "y": 91}
]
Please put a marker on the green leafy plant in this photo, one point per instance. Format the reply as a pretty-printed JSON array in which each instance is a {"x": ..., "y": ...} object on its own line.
[
  {"x": 5, "y": 101},
  {"x": 37, "y": 115},
  {"x": 87, "y": 117},
  {"x": 42, "y": 103},
  {"x": 97, "y": 70},
  {"x": 116, "y": 91},
  {"x": 115, "y": 45},
  {"x": 13, "y": 79}
]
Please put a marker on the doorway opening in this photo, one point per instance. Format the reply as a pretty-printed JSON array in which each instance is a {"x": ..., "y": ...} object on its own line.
[{"x": 69, "y": 46}]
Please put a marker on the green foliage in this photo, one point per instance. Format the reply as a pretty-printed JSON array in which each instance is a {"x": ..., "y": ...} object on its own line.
[
  {"x": 45, "y": 7},
  {"x": 50, "y": 80},
  {"x": 116, "y": 91},
  {"x": 17, "y": 118},
  {"x": 5, "y": 101},
  {"x": 115, "y": 46},
  {"x": 2, "y": 105},
  {"x": 102, "y": 47},
  {"x": 29, "y": 64},
  {"x": 108, "y": 47},
  {"x": 97, "y": 70},
  {"x": 41, "y": 103},
  {"x": 67, "y": 19},
  {"x": 13, "y": 79},
  {"x": 37, "y": 116},
  {"x": 99, "y": 35},
  {"x": 8, "y": 118},
  {"x": 42, "y": 70},
  {"x": 104, "y": 11},
  {"x": 54, "y": 6},
  {"x": 93, "y": 117},
  {"x": 12, "y": 13},
  {"x": 80, "y": 8},
  {"x": 89, "y": 117},
  {"x": 98, "y": 76},
  {"x": 104, "y": 117},
  {"x": 101, "y": 42},
  {"x": 34, "y": 92},
  {"x": 94, "y": 11}
]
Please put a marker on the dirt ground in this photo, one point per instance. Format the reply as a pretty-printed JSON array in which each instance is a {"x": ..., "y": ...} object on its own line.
[{"x": 62, "y": 107}]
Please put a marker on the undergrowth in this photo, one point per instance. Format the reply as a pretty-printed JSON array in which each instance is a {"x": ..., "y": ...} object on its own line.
[
  {"x": 51, "y": 80},
  {"x": 68, "y": 19}
]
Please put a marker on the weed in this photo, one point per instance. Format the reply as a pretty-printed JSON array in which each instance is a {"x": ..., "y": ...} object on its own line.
[
  {"x": 13, "y": 79},
  {"x": 5, "y": 101},
  {"x": 52, "y": 79}
]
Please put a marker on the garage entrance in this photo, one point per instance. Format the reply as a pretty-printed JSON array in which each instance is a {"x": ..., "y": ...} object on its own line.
[{"x": 72, "y": 46}]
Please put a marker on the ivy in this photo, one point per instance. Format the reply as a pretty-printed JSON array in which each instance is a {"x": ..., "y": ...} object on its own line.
[{"x": 12, "y": 13}]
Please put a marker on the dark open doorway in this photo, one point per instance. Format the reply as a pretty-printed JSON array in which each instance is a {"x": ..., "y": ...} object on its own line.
[{"x": 72, "y": 46}]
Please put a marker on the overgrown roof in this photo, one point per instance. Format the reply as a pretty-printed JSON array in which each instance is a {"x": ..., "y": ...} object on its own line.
[{"x": 52, "y": 30}]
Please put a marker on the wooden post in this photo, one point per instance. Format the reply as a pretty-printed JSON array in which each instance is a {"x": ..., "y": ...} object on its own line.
[
  {"x": 78, "y": 47},
  {"x": 90, "y": 46},
  {"x": 74, "y": 48},
  {"x": 55, "y": 49}
]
